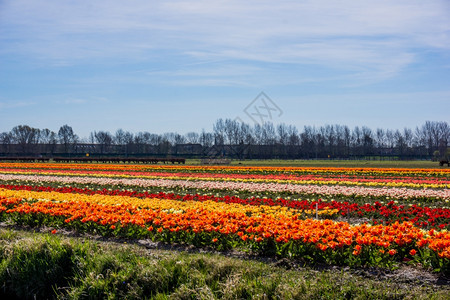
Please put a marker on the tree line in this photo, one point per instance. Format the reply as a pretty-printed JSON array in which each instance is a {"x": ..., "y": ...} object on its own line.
[{"x": 234, "y": 139}]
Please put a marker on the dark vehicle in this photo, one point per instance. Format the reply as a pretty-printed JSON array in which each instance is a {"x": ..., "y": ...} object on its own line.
[{"x": 442, "y": 162}]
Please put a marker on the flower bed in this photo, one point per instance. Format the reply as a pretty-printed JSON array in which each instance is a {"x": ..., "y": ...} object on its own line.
[{"x": 315, "y": 230}]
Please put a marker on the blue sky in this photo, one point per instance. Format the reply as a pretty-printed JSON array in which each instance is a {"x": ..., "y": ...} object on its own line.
[{"x": 162, "y": 66}]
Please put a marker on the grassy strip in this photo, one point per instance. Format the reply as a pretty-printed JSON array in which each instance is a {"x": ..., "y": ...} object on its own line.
[
  {"x": 35, "y": 265},
  {"x": 409, "y": 164},
  {"x": 426, "y": 164}
]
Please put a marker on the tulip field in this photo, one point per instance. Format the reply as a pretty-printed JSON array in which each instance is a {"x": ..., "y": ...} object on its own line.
[{"x": 330, "y": 216}]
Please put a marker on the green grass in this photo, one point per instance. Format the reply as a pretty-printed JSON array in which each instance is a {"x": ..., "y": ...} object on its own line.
[
  {"x": 36, "y": 265},
  {"x": 426, "y": 164},
  {"x": 333, "y": 163}
]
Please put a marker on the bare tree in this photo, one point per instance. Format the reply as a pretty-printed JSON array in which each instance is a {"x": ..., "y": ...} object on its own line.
[
  {"x": 319, "y": 143},
  {"x": 258, "y": 134},
  {"x": 444, "y": 137},
  {"x": 420, "y": 142},
  {"x": 104, "y": 139},
  {"x": 47, "y": 136},
  {"x": 347, "y": 136},
  {"x": 178, "y": 139},
  {"x": 246, "y": 134},
  {"x": 409, "y": 137},
  {"x": 380, "y": 138},
  {"x": 367, "y": 136},
  {"x": 433, "y": 135},
  {"x": 173, "y": 138},
  {"x": 128, "y": 139},
  {"x": 155, "y": 139},
  {"x": 49, "y": 139},
  {"x": 26, "y": 137},
  {"x": 192, "y": 137},
  {"x": 390, "y": 138},
  {"x": 282, "y": 140},
  {"x": 245, "y": 139},
  {"x": 400, "y": 142},
  {"x": 206, "y": 139},
  {"x": 268, "y": 134},
  {"x": 67, "y": 137},
  {"x": 329, "y": 134},
  {"x": 232, "y": 129},
  {"x": 293, "y": 141},
  {"x": 119, "y": 137},
  {"x": 308, "y": 141},
  {"x": 141, "y": 140},
  {"x": 6, "y": 140},
  {"x": 357, "y": 141},
  {"x": 341, "y": 140},
  {"x": 283, "y": 135},
  {"x": 219, "y": 132}
]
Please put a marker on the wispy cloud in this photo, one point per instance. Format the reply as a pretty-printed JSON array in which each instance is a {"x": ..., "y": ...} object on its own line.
[
  {"x": 80, "y": 101},
  {"x": 74, "y": 101},
  {"x": 4, "y": 105}
]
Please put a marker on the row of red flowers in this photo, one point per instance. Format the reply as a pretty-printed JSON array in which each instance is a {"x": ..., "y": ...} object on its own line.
[{"x": 421, "y": 216}]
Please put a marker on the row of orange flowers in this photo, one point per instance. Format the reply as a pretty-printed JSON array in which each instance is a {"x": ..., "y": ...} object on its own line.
[
  {"x": 233, "y": 169},
  {"x": 161, "y": 204},
  {"x": 211, "y": 223}
]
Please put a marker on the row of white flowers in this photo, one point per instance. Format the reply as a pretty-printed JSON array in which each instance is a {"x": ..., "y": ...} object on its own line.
[{"x": 334, "y": 190}]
